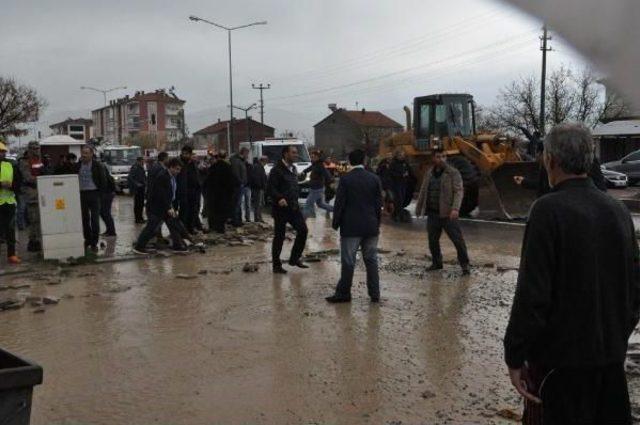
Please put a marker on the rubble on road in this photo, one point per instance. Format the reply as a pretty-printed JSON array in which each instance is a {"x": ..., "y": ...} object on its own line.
[
  {"x": 50, "y": 300},
  {"x": 247, "y": 235},
  {"x": 250, "y": 268},
  {"x": 185, "y": 276}
]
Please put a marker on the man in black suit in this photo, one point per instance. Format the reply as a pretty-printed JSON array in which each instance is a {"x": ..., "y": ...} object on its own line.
[
  {"x": 160, "y": 209},
  {"x": 357, "y": 213},
  {"x": 284, "y": 192}
]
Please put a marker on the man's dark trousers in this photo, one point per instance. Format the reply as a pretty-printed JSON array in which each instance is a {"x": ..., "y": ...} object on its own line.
[
  {"x": 590, "y": 395},
  {"x": 435, "y": 226},
  {"x": 282, "y": 216},
  {"x": 138, "y": 204},
  {"x": 153, "y": 226},
  {"x": 8, "y": 226},
  {"x": 105, "y": 213},
  {"x": 348, "y": 250},
  {"x": 90, "y": 206}
]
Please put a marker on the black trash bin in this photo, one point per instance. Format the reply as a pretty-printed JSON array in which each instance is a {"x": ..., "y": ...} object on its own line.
[{"x": 17, "y": 378}]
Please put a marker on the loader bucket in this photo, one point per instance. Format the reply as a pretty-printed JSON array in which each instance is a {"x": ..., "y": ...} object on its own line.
[{"x": 501, "y": 198}]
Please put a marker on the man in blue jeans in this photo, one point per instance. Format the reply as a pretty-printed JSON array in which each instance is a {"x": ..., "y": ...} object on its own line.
[
  {"x": 318, "y": 179},
  {"x": 357, "y": 212}
]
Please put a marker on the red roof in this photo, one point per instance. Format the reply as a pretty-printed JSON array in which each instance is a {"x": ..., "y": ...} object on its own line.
[
  {"x": 368, "y": 118},
  {"x": 221, "y": 126}
]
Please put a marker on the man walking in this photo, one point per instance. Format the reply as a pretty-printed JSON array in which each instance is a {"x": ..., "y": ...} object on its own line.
[
  {"x": 284, "y": 192},
  {"x": 220, "y": 184},
  {"x": 92, "y": 178},
  {"x": 239, "y": 167},
  {"x": 318, "y": 179},
  {"x": 357, "y": 212},
  {"x": 188, "y": 192},
  {"x": 258, "y": 183},
  {"x": 9, "y": 186},
  {"x": 160, "y": 209},
  {"x": 137, "y": 181},
  {"x": 577, "y": 300},
  {"x": 439, "y": 199}
]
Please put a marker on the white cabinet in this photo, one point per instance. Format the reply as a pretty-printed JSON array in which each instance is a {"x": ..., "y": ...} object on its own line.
[{"x": 60, "y": 217}]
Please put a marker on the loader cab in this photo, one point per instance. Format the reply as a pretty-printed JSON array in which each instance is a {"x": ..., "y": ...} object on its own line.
[{"x": 442, "y": 115}]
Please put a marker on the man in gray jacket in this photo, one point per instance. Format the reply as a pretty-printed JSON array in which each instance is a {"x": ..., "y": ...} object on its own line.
[{"x": 439, "y": 199}]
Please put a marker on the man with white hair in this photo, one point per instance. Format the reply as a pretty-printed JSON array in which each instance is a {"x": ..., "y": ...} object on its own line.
[{"x": 577, "y": 299}]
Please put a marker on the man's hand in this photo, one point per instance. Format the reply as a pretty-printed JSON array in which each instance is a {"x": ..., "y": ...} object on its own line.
[
  {"x": 282, "y": 203},
  {"x": 521, "y": 386},
  {"x": 172, "y": 213},
  {"x": 454, "y": 214},
  {"x": 518, "y": 180}
]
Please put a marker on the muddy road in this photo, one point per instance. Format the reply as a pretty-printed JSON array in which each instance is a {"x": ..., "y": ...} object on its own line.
[{"x": 195, "y": 340}]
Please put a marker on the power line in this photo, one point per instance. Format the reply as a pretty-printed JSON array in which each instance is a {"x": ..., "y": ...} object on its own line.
[
  {"x": 398, "y": 48},
  {"x": 401, "y": 71}
]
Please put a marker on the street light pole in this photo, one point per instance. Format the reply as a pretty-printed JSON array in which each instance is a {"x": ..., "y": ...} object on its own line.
[
  {"x": 103, "y": 91},
  {"x": 246, "y": 120},
  {"x": 228, "y": 29}
]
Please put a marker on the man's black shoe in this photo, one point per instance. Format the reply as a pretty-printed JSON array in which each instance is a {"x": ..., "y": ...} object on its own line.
[
  {"x": 466, "y": 271},
  {"x": 279, "y": 270},
  {"x": 375, "y": 299},
  {"x": 434, "y": 267},
  {"x": 334, "y": 299},
  {"x": 140, "y": 251},
  {"x": 298, "y": 264}
]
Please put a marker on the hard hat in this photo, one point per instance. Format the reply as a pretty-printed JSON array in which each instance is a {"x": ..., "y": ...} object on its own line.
[{"x": 3, "y": 147}]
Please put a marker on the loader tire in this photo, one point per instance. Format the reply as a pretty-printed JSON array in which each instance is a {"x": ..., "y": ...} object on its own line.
[{"x": 470, "y": 180}]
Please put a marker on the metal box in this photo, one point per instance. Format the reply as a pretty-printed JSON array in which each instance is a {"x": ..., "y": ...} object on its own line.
[
  {"x": 60, "y": 217},
  {"x": 17, "y": 379}
]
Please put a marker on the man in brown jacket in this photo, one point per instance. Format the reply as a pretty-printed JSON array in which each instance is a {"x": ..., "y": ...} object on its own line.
[{"x": 439, "y": 199}]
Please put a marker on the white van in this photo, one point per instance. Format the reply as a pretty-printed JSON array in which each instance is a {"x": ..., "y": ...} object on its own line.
[{"x": 272, "y": 149}]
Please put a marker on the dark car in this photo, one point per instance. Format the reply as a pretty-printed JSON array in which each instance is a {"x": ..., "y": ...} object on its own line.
[
  {"x": 614, "y": 179},
  {"x": 629, "y": 165}
]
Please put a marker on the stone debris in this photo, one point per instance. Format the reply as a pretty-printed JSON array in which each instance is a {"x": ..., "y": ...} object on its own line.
[
  {"x": 428, "y": 394},
  {"x": 247, "y": 235},
  {"x": 50, "y": 300},
  {"x": 203, "y": 272},
  {"x": 12, "y": 303},
  {"x": 250, "y": 268},
  {"x": 509, "y": 414},
  {"x": 54, "y": 282},
  {"x": 185, "y": 276},
  {"x": 39, "y": 310},
  {"x": 503, "y": 269}
]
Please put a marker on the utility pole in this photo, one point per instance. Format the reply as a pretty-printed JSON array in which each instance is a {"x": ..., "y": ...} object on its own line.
[
  {"x": 543, "y": 46},
  {"x": 262, "y": 88}
]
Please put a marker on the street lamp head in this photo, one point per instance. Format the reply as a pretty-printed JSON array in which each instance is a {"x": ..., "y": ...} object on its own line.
[{"x": 194, "y": 18}]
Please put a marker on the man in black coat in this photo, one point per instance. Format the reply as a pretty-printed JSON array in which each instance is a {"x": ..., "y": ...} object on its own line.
[
  {"x": 399, "y": 174},
  {"x": 160, "y": 208},
  {"x": 188, "y": 196},
  {"x": 137, "y": 181},
  {"x": 220, "y": 189},
  {"x": 258, "y": 184},
  {"x": 577, "y": 299},
  {"x": 356, "y": 213},
  {"x": 284, "y": 192}
]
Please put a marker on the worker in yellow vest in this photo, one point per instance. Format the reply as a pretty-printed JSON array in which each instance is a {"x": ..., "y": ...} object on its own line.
[{"x": 9, "y": 184}]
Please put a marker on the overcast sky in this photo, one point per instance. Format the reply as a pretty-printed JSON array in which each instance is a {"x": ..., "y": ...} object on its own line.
[{"x": 380, "y": 54}]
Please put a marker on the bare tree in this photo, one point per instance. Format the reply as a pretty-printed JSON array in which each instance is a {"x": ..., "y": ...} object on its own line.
[
  {"x": 561, "y": 97},
  {"x": 569, "y": 97},
  {"x": 18, "y": 104}
]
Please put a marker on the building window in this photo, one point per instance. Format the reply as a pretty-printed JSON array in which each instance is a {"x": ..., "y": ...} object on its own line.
[{"x": 153, "y": 119}]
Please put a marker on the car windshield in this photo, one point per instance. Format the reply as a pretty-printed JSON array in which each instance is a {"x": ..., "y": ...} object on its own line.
[
  {"x": 121, "y": 156},
  {"x": 274, "y": 153}
]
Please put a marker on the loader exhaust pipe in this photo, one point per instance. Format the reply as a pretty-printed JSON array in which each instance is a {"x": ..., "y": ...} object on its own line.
[{"x": 407, "y": 112}]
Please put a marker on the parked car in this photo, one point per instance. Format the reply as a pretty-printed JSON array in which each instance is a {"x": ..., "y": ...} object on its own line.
[
  {"x": 629, "y": 165},
  {"x": 614, "y": 179}
]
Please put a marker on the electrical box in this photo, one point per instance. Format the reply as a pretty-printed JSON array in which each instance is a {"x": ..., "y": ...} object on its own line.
[{"x": 60, "y": 217}]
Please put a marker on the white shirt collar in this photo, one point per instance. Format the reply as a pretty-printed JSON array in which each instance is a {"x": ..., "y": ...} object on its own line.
[{"x": 357, "y": 166}]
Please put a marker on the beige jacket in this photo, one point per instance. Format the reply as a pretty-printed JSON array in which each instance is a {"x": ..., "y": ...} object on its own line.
[{"x": 451, "y": 192}]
